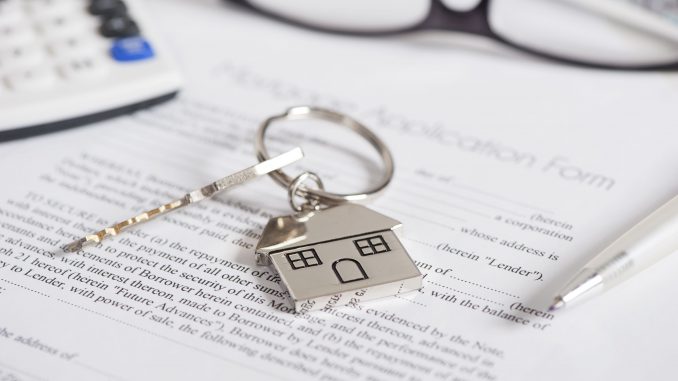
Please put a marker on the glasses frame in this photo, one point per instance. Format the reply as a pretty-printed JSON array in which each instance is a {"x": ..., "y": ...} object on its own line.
[{"x": 475, "y": 21}]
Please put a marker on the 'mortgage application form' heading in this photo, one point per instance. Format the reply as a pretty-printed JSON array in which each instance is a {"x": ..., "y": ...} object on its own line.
[{"x": 435, "y": 132}]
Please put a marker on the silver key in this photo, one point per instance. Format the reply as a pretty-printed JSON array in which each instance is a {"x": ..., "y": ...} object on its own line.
[{"x": 192, "y": 197}]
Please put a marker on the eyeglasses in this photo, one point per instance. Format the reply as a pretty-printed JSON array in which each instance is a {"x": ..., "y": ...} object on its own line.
[{"x": 606, "y": 34}]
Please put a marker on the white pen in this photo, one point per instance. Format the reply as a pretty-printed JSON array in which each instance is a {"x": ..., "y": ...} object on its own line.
[{"x": 645, "y": 244}]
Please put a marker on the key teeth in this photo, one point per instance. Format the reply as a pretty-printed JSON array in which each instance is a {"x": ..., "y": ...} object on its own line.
[{"x": 73, "y": 246}]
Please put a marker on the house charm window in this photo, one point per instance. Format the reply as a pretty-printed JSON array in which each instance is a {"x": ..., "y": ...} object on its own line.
[
  {"x": 371, "y": 245},
  {"x": 303, "y": 258}
]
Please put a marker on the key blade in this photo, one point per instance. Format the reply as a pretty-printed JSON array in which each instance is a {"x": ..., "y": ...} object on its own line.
[
  {"x": 197, "y": 195},
  {"x": 240, "y": 177}
]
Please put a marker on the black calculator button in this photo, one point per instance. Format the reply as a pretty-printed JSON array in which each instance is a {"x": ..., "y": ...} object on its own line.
[
  {"x": 107, "y": 8},
  {"x": 119, "y": 26}
]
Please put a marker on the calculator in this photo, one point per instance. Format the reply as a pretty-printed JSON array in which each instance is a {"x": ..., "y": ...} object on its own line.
[{"x": 65, "y": 63}]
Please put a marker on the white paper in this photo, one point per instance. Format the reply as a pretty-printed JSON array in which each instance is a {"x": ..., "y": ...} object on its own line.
[{"x": 511, "y": 173}]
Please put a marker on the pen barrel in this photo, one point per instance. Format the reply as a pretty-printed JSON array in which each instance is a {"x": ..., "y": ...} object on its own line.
[{"x": 652, "y": 239}]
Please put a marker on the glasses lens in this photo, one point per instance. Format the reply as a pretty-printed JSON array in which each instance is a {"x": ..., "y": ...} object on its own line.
[
  {"x": 349, "y": 15},
  {"x": 610, "y": 32}
]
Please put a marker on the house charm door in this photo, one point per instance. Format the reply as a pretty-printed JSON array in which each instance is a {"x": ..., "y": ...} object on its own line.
[{"x": 340, "y": 255}]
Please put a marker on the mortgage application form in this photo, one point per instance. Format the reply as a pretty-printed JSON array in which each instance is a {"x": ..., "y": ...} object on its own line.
[{"x": 511, "y": 173}]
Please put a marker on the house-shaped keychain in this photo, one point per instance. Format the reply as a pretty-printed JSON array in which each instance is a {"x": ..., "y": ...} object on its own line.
[{"x": 336, "y": 256}]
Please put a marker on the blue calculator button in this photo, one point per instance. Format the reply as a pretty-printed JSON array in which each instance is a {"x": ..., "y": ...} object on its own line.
[{"x": 131, "y": 49}]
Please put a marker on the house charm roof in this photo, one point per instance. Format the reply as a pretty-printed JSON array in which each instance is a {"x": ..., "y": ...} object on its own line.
[{"x": 336, "y": 256}]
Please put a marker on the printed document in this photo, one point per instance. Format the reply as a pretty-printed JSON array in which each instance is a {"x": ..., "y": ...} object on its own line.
[{"x": 511, "y": 173}]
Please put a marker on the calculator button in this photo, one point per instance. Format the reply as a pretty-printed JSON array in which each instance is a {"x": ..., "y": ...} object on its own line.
[
  {"x": 82, "y": 68},
  {"x": 21, "y": 56},
  {"x": 10, "y": 12},
  {"x": 31, "y": 79},
  {"x": 67, "y": 47},
  {"x": 131, "y": 49},
  {"x": 107, "y": 8},
  {"x": 119, "y": 26},
  {"x": 44, "y": 8},
  {"x": 15, "y": 34},
  {"x": 62, "y": 26}
]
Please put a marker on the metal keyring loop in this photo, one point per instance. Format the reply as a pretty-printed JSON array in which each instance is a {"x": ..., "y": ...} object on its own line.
[
  {"x": 324, "y": 197},
  {"x": 311, "y": 203}
]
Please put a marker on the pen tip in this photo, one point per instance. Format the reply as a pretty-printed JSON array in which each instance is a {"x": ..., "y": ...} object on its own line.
[{"x": 558, "y": 303}]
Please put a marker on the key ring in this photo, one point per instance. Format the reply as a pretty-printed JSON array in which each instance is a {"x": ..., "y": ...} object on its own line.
[
  {"x": 311, "y": 203},
  {"x": 320, "y": 195}
]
